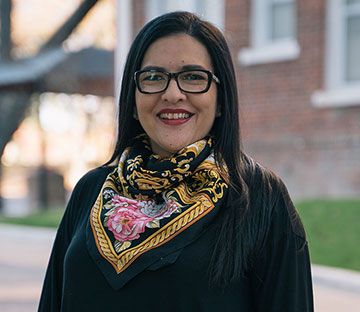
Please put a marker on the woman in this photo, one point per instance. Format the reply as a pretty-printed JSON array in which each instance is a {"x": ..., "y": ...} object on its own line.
[{"x": 185, "y": 221}]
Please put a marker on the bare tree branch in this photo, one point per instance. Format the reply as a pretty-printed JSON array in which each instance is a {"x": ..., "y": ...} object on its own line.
[{"x": 65, "y": 30}]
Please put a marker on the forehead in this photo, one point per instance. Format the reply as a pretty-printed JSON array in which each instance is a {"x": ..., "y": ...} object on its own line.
[{"x": 176, "y": 51}]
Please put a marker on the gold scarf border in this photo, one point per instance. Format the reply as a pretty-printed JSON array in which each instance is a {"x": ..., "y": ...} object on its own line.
[{"x": 176, "y": 226}]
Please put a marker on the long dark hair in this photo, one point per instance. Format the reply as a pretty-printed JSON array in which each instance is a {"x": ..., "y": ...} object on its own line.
[{"x": 237, "y": 237}]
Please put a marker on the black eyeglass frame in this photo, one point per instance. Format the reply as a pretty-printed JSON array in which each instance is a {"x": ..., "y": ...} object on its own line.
[{"x": 210, "y": 75}]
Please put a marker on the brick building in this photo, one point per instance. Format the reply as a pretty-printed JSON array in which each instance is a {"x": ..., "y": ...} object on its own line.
[{"x": 298, "y": 72}]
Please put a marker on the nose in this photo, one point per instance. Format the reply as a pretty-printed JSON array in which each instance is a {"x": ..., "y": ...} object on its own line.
[{"x": 173, "y": 94}]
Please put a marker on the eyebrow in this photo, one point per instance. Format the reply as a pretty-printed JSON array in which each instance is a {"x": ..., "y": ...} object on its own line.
[{"x": 185, "y": 67}]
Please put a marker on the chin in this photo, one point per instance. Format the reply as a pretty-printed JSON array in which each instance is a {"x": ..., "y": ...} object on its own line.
[{"x": 166, "y": 150}]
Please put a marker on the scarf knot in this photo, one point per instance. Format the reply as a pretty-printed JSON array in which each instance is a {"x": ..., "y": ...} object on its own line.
[{"x": 142, "y": 172}]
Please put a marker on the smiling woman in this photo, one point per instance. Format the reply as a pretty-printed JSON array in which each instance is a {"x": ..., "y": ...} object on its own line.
[
  {"x": 159, "y": 112},
  {"x": 184, "y": 220}
]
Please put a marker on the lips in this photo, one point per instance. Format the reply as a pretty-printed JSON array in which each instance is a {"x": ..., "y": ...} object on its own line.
[{"x": 174, "y": 116}]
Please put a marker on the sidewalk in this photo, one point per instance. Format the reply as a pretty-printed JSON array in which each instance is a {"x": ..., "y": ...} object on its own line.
[
  {"x": 25, "y": 252},
  {"x": 336, "y": 290},
  {"x": 23, "y": 259}
]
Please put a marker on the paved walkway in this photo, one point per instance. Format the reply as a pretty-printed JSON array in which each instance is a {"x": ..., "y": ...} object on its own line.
[
  {"x": 336, "y": 290},
  {"x": 23, "y": 259},
  {"x": 25, "y": 252}
]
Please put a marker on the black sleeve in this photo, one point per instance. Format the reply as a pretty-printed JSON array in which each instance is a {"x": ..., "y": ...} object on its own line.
[
  {"x": 281, "y": 275},
  {"x": 52, "y": 288},
  {"x": 87, "y": 187}
]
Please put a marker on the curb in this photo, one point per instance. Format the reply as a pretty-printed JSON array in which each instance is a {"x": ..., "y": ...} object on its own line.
[
  {"x": 341, "y": 279},
  {"x": 27, "y": 233}
]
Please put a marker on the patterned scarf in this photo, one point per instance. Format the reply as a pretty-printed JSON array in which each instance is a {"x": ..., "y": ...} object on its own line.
[{"x": 151, "y": 206}]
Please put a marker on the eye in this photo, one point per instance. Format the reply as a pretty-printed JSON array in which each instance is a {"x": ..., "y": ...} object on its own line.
[
  {"x": 152, "y": 77},
  {"x": 194, "y": 76}
]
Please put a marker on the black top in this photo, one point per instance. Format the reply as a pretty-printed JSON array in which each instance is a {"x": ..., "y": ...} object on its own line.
[{"x": 280, "y": 279}]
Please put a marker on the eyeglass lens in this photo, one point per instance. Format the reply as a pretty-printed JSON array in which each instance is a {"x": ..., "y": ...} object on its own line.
[{"x": 157, "y": 81}]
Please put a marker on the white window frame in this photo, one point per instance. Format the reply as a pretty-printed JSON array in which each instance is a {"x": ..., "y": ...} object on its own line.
[
  {"x": 211, "y": 10},
  {"x": 263, "y": 50},
  {"x": 337, "y": 91}
]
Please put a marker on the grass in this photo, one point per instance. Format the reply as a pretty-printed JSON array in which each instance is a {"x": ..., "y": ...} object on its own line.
[
  {"x": 333, "y": 231},
  {"x": 332, "y": 227},
  {"x": 46, "y": 218}
]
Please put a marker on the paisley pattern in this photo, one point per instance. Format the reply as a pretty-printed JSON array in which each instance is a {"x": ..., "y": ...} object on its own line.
[{"x": 149, "y": 200}]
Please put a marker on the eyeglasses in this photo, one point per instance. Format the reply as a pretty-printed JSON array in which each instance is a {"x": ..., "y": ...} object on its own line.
[{"x": 190, "y": 81}]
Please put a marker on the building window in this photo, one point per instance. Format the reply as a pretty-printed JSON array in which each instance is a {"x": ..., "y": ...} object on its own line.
[
  {"x": 273, "y": 32},
  {"x": 342, "y": 66},
  {"x": 211, "y": 10},
  {"x": 282, "y": 19},
  {"x": 352, "y": 40}
]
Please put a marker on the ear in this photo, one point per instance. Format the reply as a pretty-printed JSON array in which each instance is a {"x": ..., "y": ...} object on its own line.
[
  {"x": 135, "y": 114},
  {"x": 218, "y": 111}
]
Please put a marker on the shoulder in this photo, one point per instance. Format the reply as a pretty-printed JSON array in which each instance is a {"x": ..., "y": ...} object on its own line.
[
  {"x": 84, "y": 195},
  {"x": 270, "y": 199}
]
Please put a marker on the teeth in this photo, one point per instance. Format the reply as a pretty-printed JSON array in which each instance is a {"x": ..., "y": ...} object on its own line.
[{"x": 174, "y": 116}]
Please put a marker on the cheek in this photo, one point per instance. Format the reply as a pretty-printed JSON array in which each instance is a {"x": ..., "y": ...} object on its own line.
[
  {"x": 138, "y": 100},
  {"x": 213, "y": 101},
  {"x": 145, "y": 102},
  {"x": 141, "y": 104}
]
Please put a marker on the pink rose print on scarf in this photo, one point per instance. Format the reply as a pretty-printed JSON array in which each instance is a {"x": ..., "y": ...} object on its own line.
[{"x": 130, "y": 217}]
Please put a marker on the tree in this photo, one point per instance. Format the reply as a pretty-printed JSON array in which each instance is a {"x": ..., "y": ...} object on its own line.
[
  {"x": 15, "y": 91},
  {"x": 16, "y": 83},
  {"x": 5, "y": 41}
]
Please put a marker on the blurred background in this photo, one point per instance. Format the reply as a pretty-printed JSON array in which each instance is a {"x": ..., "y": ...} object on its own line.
[
  {"x": 56, "y": 98},
  {"x": 298, "y": 70}
]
